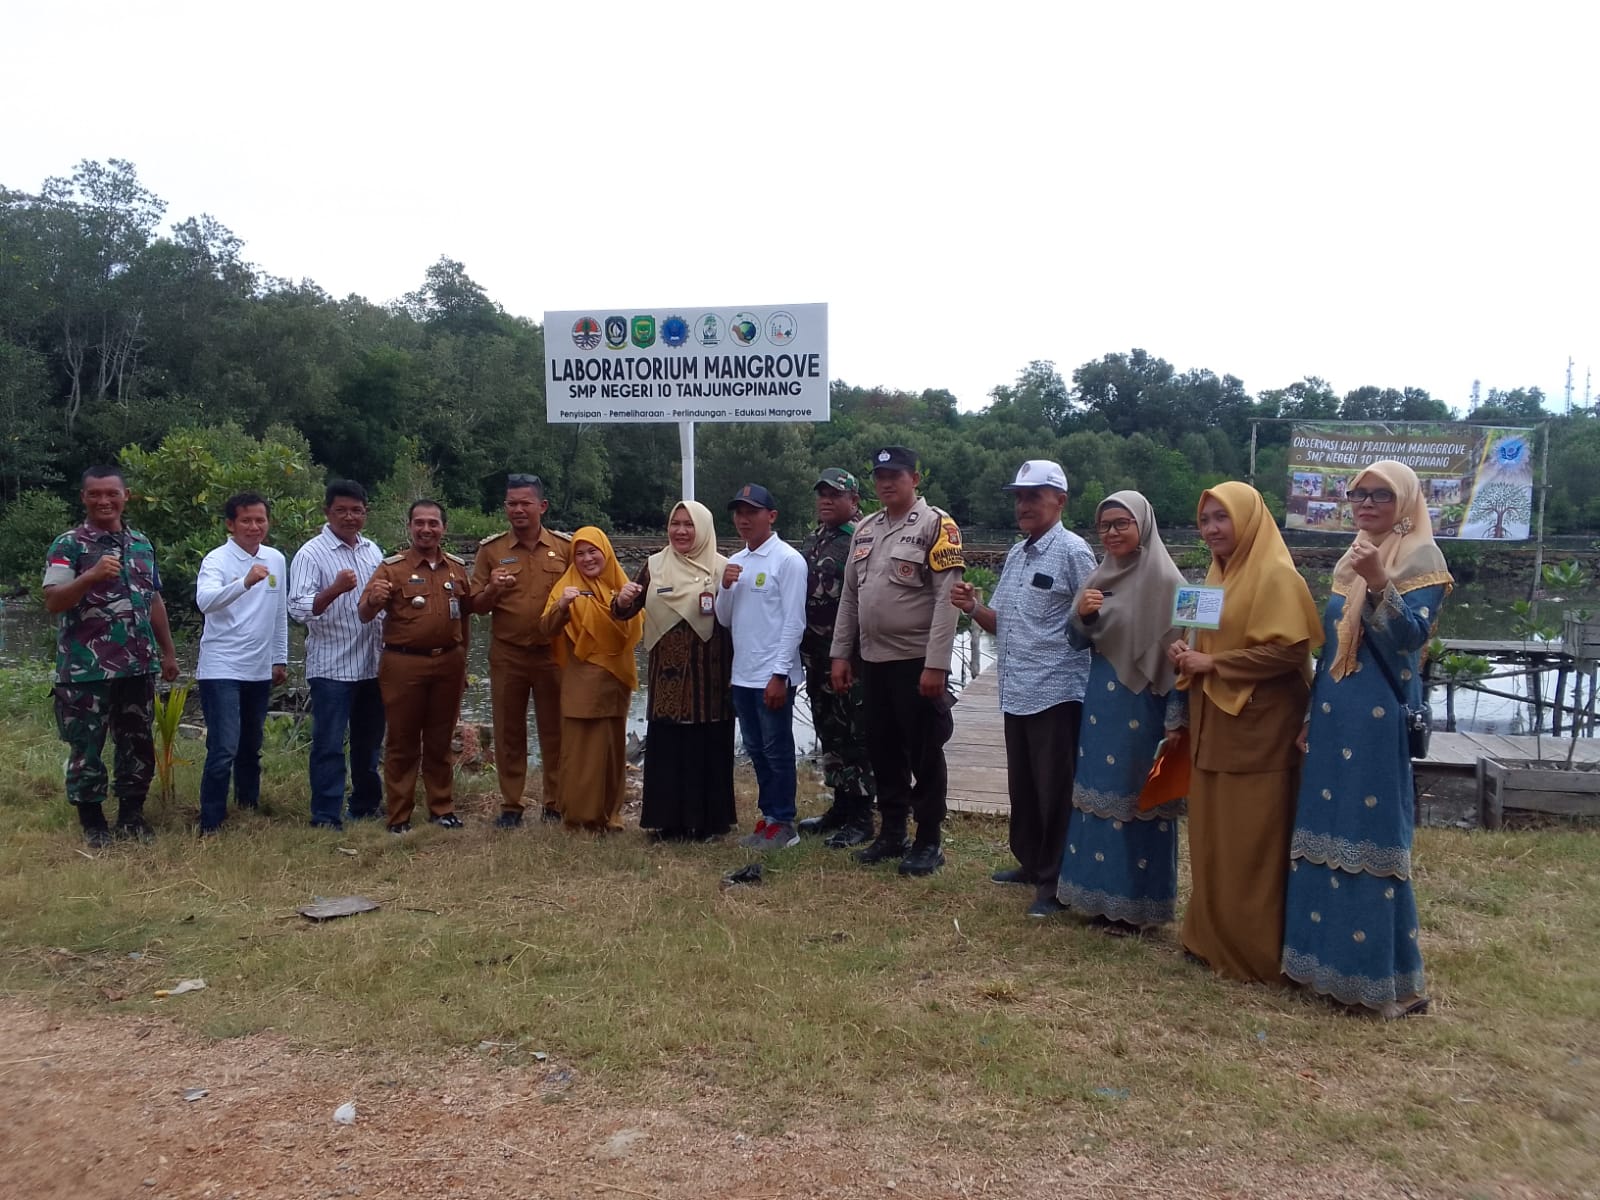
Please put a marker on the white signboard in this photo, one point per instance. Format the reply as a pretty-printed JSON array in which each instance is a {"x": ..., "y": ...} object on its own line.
[{"x": 626, "y": 365}]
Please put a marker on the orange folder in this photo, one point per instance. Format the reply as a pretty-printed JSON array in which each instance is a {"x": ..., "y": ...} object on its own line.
[{"x": 1169, "y": 774}]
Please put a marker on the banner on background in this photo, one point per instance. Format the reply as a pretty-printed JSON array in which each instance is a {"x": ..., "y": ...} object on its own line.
[
  {"x": 1478, "y": 480},
  {"x": 627, "y": 365}
]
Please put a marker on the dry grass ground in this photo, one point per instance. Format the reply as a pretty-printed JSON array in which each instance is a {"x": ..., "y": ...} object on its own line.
[{"x": 831, "y": 1032}]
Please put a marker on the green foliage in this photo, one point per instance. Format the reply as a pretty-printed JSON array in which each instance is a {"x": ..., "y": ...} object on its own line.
[
  {"x": 27, "y": 527},
  {"x": 1525, "y": 623},
  {"x": 116, "y": 330},
  {"x": 179, "y": 489},
  {"x": 169, "y": 715}
]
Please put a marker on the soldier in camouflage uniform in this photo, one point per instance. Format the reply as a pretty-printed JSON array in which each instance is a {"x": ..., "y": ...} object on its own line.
[
  {"x": 101, "y": 580},
  {"x": 838, "y": 718}
]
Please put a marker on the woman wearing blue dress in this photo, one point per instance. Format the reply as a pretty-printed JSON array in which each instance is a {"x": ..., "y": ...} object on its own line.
[
  {"x": 1351, "y": 928},
  {"x": 1121, "y": 865}
]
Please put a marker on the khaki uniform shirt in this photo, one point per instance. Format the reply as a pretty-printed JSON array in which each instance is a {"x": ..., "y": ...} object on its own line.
[
  {"x": 440, "y": 620},
  {"x": 896, "y": 599},
  {"x": 517, "y": 611}
]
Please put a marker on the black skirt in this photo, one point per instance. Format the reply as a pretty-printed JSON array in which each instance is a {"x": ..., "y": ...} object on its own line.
[{"x": 688, "y": 779}]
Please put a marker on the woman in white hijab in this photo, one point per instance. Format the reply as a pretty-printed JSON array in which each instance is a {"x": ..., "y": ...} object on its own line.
[
  {"x": 1121, "y": 864},
  {"x": 1351, "y": 926},
  {"x": 688, "y": 762}
]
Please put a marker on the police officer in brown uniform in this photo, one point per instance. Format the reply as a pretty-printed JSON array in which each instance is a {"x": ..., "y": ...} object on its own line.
[
  {"x": 425, "y": 599},
  {"x": 511, "y": 578},
  {"x": 904, "y": 560}
]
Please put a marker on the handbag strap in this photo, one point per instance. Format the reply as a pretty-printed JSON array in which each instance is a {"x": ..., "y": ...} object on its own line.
[{"x": 1393, "y": 682}]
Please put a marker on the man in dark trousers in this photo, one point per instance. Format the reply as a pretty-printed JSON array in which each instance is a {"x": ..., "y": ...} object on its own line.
[
  {"x": 895, "y": 611},
  {"x": 1042, "y": 677},
  {"x": 838, "y": 717}
]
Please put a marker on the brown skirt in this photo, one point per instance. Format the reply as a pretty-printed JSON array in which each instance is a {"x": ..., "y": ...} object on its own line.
[
  {"x": 593, "y": 771},
  {"x": 1239, "y": 827}
]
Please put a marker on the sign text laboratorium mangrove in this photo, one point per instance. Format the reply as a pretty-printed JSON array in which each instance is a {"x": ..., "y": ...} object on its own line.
[{"x": 758, "y": 363}]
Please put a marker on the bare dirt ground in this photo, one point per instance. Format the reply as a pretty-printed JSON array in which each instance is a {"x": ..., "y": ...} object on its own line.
[{"x": 93, "y": 1108}]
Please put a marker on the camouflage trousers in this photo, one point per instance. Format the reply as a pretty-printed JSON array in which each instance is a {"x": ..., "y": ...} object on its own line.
[
  {"x": 85, "y": 713},
  {"x": 840, "y": 722}
]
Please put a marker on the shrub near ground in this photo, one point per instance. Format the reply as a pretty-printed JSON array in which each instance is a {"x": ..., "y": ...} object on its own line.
[{"x": 931, "y": 1012}]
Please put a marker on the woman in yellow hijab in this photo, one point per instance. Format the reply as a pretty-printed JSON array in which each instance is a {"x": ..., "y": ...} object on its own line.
[
  {"x": 598, "y": 679},
  {"x": 1248, "y": 682}
]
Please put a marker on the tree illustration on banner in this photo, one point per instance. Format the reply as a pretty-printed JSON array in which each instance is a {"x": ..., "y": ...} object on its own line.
[{"x": 1500, "y": 502}]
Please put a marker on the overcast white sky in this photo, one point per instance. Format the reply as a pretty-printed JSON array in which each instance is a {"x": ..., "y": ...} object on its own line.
[{"x": 1401, "y": 194}]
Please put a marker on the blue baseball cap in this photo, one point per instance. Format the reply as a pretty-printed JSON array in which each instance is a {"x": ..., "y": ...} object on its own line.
[{"x": 755, "y": 496}]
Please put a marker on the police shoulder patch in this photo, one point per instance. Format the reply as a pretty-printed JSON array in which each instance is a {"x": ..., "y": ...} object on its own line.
[
  {"x": 565, "y": 537},
  {"x": 493, "y": 537},
  {"x": 394, "y": 558},
  {"x": 460, "y": 562},
  {"x": 946, "y": 552}
]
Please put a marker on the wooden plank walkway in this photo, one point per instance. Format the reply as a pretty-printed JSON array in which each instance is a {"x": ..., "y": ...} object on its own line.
[
  {"x": 1461, "y": 751},
  {"x": 976, "y": 752}
]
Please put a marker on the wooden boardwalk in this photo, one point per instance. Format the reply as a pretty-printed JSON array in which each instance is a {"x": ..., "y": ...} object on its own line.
[{"x": 976, "y": 752}]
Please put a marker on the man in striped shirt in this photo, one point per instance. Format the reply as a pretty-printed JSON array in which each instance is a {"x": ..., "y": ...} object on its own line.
[{"x": 325, "y": 582}]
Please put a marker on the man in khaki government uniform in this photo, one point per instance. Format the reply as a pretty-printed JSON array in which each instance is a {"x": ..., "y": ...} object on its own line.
[
  {"x": 511, "y": 578},
  {"x": 424, "y": 597},
  {"x": 895, "y": 610}
]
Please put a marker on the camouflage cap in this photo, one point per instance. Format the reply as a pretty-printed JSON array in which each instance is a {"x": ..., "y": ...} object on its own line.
[{"x": 839, "y": 480}]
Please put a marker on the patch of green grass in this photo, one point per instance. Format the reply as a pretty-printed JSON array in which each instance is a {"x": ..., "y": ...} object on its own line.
[{"x": 831, "y": 992}]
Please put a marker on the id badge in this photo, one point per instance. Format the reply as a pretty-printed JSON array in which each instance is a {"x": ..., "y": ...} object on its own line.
[
  {"x": 455, "y": 609},
  {"x": 707, "y": 604}
]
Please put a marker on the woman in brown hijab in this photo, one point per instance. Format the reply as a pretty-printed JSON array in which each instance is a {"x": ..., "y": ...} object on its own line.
[{"x": 1248, "y": 682}]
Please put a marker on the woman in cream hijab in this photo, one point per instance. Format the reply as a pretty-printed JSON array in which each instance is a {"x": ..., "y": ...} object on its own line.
[
  {"x": 1351, "y": 931},
  {"x": 598, "y": 679},
  {"x": 688, "y": 762},
  {"x": 1247, "y": 682}
]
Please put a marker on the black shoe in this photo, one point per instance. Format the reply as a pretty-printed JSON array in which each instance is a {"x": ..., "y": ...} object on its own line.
[
  {"x": 1012, "y": 875},
  {"x": 850, "y": 835},
  {"x": 400, "y": 830},
  {"x": 1046, "y": 906},
  {"x": 550, "y": 816},
  {"x": 885, "y": 847},
  {"x": 135, "y": 829},
  {"x": 96, "y": 835},
  {"x": 834, "y": 818},
  {"x": 510, "y": 819},
  {"x": 448, "y": 821},
  {"x": 923, "y": 860},
  {"x": 336, "y": 826},
  {"x": 371, "y": 815}
]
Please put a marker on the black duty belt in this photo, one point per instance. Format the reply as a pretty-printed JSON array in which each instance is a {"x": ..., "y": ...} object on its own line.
[{"x": 417, "y": 650}]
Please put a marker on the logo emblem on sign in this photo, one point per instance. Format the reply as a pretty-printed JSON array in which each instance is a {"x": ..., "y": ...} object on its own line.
[
  {"x": 674, "y": 331},
  {"x": 644, "y": 332},
  {"x": 616, "y": 332},
  {"x": 780, "y": 328},
  {"x": 745, "y": 328},
  {"x": 708, "y": 331},
  {"x": 586, "y": 333}
]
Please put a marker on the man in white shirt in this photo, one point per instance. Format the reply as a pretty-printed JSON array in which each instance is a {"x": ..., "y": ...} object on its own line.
[
  {"x": 763, "y": 601},
  {"x": 242, "y": 590},
  {"x": 326, "y": 580}
]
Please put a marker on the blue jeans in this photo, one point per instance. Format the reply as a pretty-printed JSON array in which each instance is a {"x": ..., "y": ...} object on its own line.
[
  {"x": 769, "y": 739},
  {"x": 338, "y": 706},
  {"x": 236, "y": 713}
]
